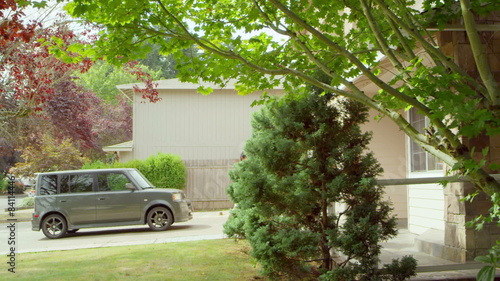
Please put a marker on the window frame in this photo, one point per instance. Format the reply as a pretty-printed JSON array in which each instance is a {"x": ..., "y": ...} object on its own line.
[{"x": 420, "y": 123}]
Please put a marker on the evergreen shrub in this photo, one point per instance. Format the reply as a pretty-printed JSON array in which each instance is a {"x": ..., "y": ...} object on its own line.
[{"x": 307, "y": 153}]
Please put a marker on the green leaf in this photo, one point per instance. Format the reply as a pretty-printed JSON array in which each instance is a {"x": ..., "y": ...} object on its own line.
[
  {"x": 487, "y": 273},
  {"x": 204, "y": 90},
  {"x": 483, "y": 259},
  {"x": 494, "y": 166}
]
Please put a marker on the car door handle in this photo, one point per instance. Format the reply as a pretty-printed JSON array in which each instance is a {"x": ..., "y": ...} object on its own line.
[{"x": 101, "y": 198}]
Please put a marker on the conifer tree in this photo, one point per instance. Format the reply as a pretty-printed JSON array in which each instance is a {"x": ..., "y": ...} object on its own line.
[{"x": 307, "y": 153}]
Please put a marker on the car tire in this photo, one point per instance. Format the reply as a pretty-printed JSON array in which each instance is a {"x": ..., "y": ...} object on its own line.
[
  {"x": 54, "y": 226},
  {"x": 159, "y": 219}
]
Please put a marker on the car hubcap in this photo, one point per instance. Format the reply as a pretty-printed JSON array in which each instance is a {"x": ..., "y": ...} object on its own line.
[
  {"x": 159, "y": 219},
  {"x": 54, "y": 226}
]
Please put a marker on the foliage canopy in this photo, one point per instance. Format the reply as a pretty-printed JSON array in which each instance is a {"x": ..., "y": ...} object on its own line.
[{"x": 389, "y": 42}]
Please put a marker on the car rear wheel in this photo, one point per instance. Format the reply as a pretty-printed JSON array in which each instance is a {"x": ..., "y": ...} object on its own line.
[
  {"x": 159, "y": 218},
  {"x": 54, "y": 226}
]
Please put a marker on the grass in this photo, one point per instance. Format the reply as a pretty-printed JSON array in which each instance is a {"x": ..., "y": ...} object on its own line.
[{"x": 224, "y": 259}]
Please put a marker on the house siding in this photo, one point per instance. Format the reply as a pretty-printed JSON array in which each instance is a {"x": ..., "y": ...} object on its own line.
[
  {"x": 388, "y": 147},
  {"x": 426, "y": 206},
  {"x": 207, "y": 132},
  {"x": 193, "y": 126}
]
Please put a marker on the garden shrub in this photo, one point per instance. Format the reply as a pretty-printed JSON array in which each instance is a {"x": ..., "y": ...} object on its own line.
[
  {"x": 27, "y": 202},
  {"x": 3, "y": 185},
  {"x": 162, "y": 170},
  {"x": 307, "y": 152},
  {"x": 165, "y": 171}
]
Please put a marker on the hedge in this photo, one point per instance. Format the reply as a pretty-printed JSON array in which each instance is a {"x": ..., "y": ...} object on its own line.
[{"x": 162, "y": 170}]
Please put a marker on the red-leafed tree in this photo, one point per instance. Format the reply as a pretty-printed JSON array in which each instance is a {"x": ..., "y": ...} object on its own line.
[
  {"x": 32, "y": 72},
  {"x": 115, "y": 121},
  {"x": 12, "y": 27},
  {"x": 67, "y": 109},
  {"x": 39, "y": 97}
]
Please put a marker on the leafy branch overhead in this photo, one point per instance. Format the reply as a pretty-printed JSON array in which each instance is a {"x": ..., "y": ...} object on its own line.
[{"x": 390, "y": 43}]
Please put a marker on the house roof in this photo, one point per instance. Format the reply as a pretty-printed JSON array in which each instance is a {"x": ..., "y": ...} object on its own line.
[
  {"x": 124, "y": 146},
  {"x": 176, "y": 84}
]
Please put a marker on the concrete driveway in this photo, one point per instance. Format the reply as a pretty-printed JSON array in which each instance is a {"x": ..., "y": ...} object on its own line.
[{"x": 203, "y": 226}]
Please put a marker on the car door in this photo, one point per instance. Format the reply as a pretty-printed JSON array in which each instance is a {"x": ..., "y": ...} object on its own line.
[
  {"x": 114, "y": 202},
  {"x": 77, "y": 198}
]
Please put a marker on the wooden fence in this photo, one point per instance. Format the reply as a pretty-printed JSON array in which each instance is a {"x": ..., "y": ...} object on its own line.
[{"x": 207, "y": 181}]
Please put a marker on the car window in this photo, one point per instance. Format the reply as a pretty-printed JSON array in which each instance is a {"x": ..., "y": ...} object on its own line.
[
  {"x": 112, "y": 181},
  {"x": 143, "y": 182},
  {"x": 76, "y": 183},
  {"x": 48, "y": 185}
]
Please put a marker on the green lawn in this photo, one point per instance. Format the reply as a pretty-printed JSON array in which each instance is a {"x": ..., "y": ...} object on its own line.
[{"x": 198, "y": 260}]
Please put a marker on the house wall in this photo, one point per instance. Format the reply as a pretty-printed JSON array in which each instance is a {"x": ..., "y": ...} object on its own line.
[
  {"x": 125, "y": 156},
  {"x": 388, "y": 146},
  {"x": 422, "y": 205},
  {"x": 426, "y": 205},
  {"x": 193, "y": 126},
  {"x": 207, "y": 132}
]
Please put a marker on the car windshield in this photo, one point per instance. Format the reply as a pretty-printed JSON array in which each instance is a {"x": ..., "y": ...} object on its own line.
[{"x": 141, "y": 179}]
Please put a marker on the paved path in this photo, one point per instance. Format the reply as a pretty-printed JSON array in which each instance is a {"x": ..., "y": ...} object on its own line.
[{"x": 203, "y": 226}]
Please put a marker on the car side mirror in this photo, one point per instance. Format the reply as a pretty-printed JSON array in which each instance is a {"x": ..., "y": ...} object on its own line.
[{"x": 129, "y": 186}]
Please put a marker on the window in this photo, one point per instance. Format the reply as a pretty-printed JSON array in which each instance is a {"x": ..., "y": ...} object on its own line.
[
  {"x": 76, "y": 183},
  {"x": 48, "y": 185},
  {"x": 421, "y": 160},
  {"x": 112, "y": 182}
]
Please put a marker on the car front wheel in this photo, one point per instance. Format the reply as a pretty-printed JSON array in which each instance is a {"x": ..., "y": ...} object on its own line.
[
  {"x": 159, "y": 218},
  {"x": 54, "y": 226}
]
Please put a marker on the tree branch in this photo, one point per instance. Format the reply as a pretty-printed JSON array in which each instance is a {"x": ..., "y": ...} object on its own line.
[{"x": 479, "y": 54}]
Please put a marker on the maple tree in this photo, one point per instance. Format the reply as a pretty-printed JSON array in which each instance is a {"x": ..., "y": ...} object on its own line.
[
  {"x": 102, "y": 78},
  {"x": 31, "y": 71},
  {"x": 12, "y": 27},
  {"x": 39, "y": 93},
  {"x": 264, "y": 43},
  {"x": 53, "y": 154},
  {"x": 114, "y": 124}
]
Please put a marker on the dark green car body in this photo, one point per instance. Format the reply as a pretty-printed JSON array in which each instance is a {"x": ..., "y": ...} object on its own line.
[{"x": 69, "y": 200}]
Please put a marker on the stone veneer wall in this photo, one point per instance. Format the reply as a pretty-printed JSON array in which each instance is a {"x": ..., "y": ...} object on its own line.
[
  {"x": 461, "y": 243},
  {"x": 464, "y": 244}
]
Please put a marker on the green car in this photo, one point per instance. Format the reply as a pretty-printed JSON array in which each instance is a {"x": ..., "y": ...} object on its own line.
[{"x": 69, "y": 200}]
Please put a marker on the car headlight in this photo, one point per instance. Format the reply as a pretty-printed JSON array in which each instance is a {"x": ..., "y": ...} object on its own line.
[{"x": 177, "y": 196}]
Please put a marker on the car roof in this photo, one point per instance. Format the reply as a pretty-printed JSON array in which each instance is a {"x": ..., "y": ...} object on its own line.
[{"x": 86, "y": 171}]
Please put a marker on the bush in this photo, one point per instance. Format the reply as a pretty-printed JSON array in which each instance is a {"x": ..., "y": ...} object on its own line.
[
  {"x": 165, "y": 171},
  {"x": 307, "y": 152},
  {"x": 162, "y": 170},
  {"x": 27, "y": 202},
  {"x": 3, "y": 185}
]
